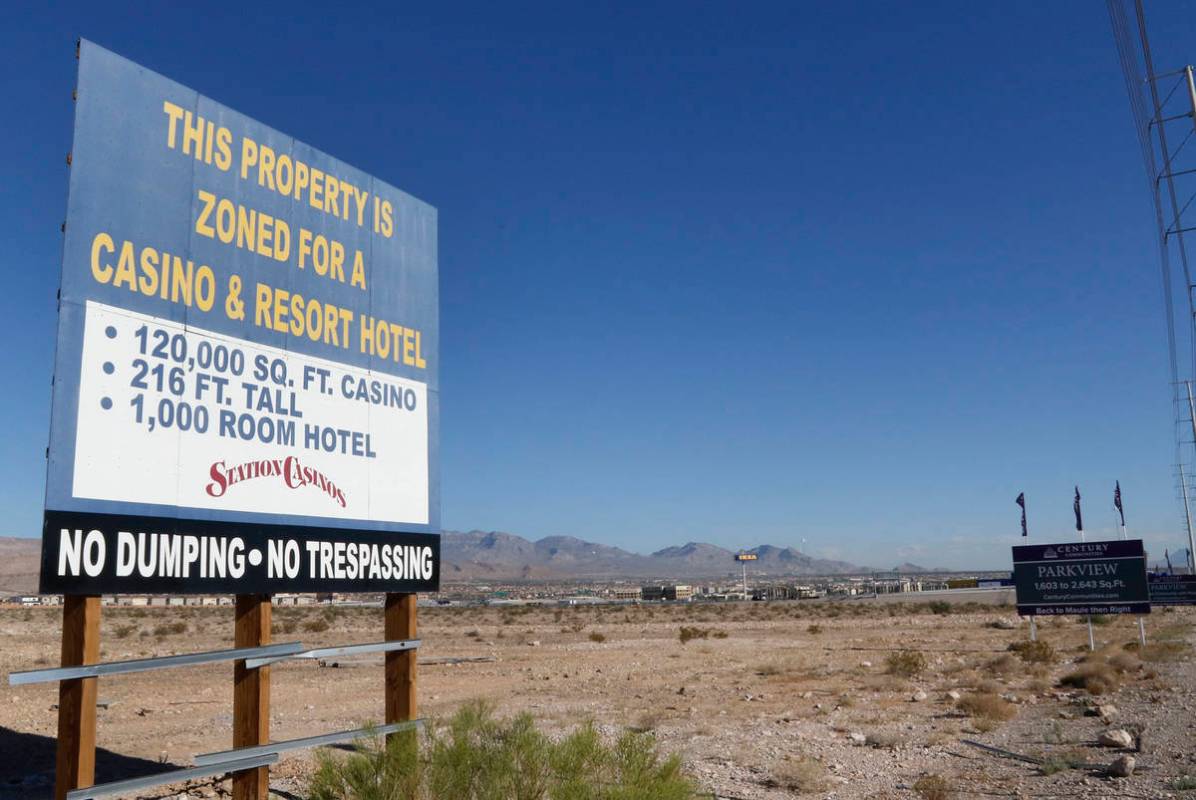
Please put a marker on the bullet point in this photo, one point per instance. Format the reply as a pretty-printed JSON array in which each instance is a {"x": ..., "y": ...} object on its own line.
[
  {"x": 110, "y": 332},
  {"x": 105, "y": 403},
  {"x": 109, "y": 367}
]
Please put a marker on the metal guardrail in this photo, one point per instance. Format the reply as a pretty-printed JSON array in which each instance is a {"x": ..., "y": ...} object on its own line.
[
  {"x": 265, "y": 652},
  {"x": 171, "y": 776},
  {"x": 308, "y": 741},
  {"x": 343, "y": 650}
]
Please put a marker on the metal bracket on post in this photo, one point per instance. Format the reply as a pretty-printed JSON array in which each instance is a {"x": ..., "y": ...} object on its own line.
[{"x": 342, "y": 650}]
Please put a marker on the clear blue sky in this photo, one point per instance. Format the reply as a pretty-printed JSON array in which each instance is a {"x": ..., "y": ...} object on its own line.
[{"x": 730, "y": 272}]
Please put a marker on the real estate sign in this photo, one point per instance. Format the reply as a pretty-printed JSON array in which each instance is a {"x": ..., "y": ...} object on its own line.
[
  {"x": 246, "y": 387},
  {"x": 1173, "y": 590},
  {"x": 1081, "y": 578}
]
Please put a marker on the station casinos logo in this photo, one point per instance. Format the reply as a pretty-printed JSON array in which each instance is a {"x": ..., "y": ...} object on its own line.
[{"x": 294, "y": 474}]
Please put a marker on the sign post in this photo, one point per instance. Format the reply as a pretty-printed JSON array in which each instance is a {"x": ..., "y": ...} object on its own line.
[
  {"x": 251, "y": 694},
  {"x": 400, "y": 666},
  {"x": 76, "y": 761},
  {"x": 743, "y": 559},
  {"x": 246, "y": 383}
]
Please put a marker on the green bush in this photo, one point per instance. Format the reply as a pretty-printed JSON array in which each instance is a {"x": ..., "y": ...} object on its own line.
[{"x": 475, "y": 756}]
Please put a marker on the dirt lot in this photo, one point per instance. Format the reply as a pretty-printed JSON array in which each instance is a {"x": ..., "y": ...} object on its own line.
[{"x": 763, "y": 700}]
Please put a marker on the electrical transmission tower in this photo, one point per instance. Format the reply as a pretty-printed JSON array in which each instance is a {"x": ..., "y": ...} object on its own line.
[{"x": 1163, "y": 106}]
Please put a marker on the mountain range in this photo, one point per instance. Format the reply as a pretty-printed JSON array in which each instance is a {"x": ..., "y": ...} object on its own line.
[{"x": 497, "y": 555}]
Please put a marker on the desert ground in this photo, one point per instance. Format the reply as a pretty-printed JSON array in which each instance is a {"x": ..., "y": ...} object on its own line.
[{"x": 761, "y": 700}]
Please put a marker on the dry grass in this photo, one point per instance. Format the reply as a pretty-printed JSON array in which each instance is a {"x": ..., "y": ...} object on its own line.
[
  {"x": 885, "y": 740},
  {"x": 1002, "y": 665},
  {"x": 987, "y": 706},
  {"x": 800, "y": 775},
  {"x": 1162, "y": 651},
  {"x": 1039, "y": 652},
  {"x": 905, "y": 663},
  {"x": 1094, "y": 677},
  {"x": 933, "y": 787}
]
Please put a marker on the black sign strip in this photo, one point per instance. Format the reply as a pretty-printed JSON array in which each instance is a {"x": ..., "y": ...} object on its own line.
[{"x": 85, "y": 553}]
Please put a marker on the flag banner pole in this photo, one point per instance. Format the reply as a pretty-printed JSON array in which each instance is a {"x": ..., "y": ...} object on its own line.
[
  {"x": 1080, "y": 527},
  {"x": 1120, "y": 509},
  {"x": 1021, "y": 502}
]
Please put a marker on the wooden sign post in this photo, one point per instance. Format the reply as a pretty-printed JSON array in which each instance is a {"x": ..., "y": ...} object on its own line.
[
  {"x": 251, "y": 694},
  {"x": 400, "y": 667},
  {"x": 76, "y": 762}
]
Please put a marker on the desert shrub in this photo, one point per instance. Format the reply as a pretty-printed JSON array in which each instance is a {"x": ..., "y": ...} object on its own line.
[
  {"x": 940, "y": 607},
  {"x": 686, "y": 633},
  {"x": 317, "y": 625},
  {"x": 1039, "y": 652},
  {"x": 123, "y": 631},
  {"x": 719, "y": 634},
  {"x": 1058, "y": 762},
  {"x": 284, "y": 626},
  {"x": 933, "y": 787},
  {"x": 170, "y": 629},
  {"x": 474, "y": 756},
  {"x": 985, "y": 705},
  {"x": 814, "y": 630},
  {"x": 595, "y": 636},
  {"x": 885, "y": 740},
  {"x": 1094, "y": 677},
  {"x": 1096, "y": 619},
  {"x": 1162, "y": 651},
  {"x": 1123, "y": 663},
  {"x": 800, "y": 775},
  {"x": 1184, "y": 783},
  {"x": 1002, "y": 665},
  {"x": 905, "y": 663}
]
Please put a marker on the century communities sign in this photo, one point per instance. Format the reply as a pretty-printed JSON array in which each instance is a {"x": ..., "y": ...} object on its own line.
[
  {"x": 1081, "y": 578},
  {"x": 1173, "y": 590},
  {"x": 246, "y": 391}
]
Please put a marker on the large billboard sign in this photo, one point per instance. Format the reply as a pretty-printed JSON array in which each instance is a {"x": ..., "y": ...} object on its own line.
[
  {"x": 246, "y": 392},
  {"x": 1081, "y": 578},
  {"x": 1173, "y": 590}
]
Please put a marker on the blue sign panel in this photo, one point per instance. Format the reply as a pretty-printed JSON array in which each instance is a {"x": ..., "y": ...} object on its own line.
[
  {"x": 1172, "y": 590},
  {"x": 1081, "y": 578},
  {"x": 248, "y": 344}
]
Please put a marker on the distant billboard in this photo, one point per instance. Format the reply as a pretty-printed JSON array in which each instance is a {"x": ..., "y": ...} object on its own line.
[
  {"x": 1173, "y": 590},
  {"x": 246, "y": 392},
  {"x": 1081, "y": 578},
  {"x": 746, "y": 557}
]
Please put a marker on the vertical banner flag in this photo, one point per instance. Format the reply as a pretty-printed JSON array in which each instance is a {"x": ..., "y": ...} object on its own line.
[
  {"x": 246, "y": 391},
  {"x": 1117, "y": 502},
  {"x": 1021, "y": 501},
  {"x": 1076, "y": 507}
]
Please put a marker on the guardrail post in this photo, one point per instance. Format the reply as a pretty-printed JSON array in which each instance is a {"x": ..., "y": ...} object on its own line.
[
  {"x": 251, "y": 694},
  {"x": 400, "y": 666},
  {"x": 76, "y": 762}
]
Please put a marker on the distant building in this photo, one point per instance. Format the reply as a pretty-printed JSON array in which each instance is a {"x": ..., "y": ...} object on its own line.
[
  {"x": 678, "y": 591},
  {"x": 626, "y": 593}
]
